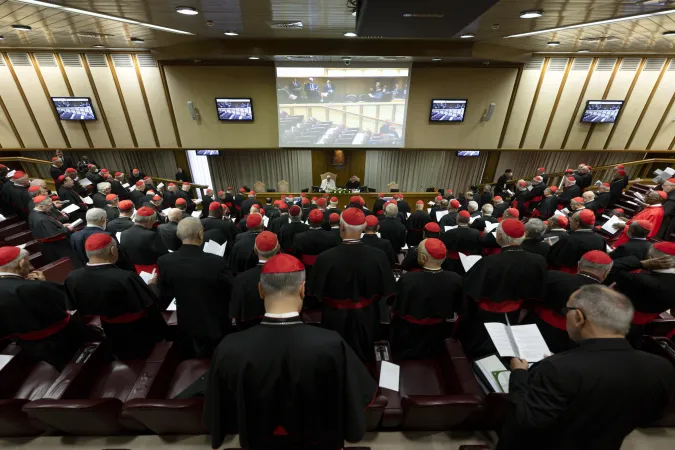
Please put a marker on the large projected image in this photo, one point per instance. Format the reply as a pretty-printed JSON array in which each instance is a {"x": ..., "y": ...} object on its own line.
[{"x": 342, "y": 106}]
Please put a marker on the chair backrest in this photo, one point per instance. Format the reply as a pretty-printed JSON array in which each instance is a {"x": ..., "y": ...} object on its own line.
[
  {"x": 259, "y": 186},
  {"x": 283, "y": 186},
  {"x": 332, "y": 175},
  {"x": 392, "y": 185},
  {"x": 58, "y": 270}
]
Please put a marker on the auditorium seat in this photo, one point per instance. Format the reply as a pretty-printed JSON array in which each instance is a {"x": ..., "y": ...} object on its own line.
[
  {"x": 393, "y": 412},
  {"x": 33, "y": 246},
  {"x": 88, "y": 395},
  {"x": 21, "y": 380},
  {"x": 36, "y": 259},
  {"x": 58, "y": 270},
  {"x": 439, "y": 393},
  {"x": 17, "y": 239},
  {"x": 665, "y": 348},
  {"x": 12, "y": 229},
  {"x": 10, "y": 220},
  {"x": 661, "y": 326}
]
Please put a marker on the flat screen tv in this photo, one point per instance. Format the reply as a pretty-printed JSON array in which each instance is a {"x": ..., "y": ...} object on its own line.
[
  {"x": 74, "y": 108},
  {"x": 468, "y": 153},
  {"x": 208, "y": 152},
  {"x": 447, "y": 110},
  {"x": 235, "y": 109},
  {"x": 601, "y": 111}
]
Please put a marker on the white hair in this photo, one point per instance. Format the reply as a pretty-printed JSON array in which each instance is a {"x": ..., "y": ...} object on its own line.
[
  {"x": 38, "y": 182},
  {"x": 352, "y": 229},
  {"x": 588, "y": 196},
  {"x": 188, "y": 229},
  {"x": 472, "y": 206},
  {"x": 13, "y": 265},
  {"x": 101, "y": 187},
  {"x": 604, "y": 307},
  {"x": 269, "y": 254},
  {"x": 95, "y": 215},
  {"x": 535, "y": 229},
  {"x": 274, "y": 283},
  {"x": 488, "y": 209},
  {"x": 101, "y": 252},
  {"x": 505, "y": 240},
  {"x": 391, "y": 210},
  {"x": 145, "y": 219}
]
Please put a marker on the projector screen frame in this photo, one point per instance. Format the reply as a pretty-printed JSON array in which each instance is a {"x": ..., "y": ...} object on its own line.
[
  {"x": 446, "y": 122},
  {"x": 250, "y": 100},
  {"x": 91, "y": 106}
]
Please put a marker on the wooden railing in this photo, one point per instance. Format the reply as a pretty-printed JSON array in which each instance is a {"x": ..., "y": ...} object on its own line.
[{"x": 29, "y": 166}]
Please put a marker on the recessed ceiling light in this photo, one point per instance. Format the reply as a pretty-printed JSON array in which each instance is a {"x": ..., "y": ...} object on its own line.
[
  {"x": 468, "y": 36},
  {"x": 350, "y": 34},
  {"x": 98, "y": 46},
  {"x": 436, "y": 59},
  {"x": 253, "y": 57},
  {"x": 553, "y": 44},
  {"x": 137, "y": 40},
  {"x": 231, "y": 33},
  {"x": 354, "y": 13},
  {"x": 187, "y": 10},
  {"x": 531, "y": 14},
  {"x": 22, "y": 27},
  {"x": 1, "y": 38},
  {"x": 669, "y": 34},
  {"x": 583, "y": 51},
  {"x": 597, "y": 22}
]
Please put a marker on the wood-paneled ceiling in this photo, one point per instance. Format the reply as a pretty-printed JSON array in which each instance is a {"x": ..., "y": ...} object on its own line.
[{"x": 328, "y": 19}]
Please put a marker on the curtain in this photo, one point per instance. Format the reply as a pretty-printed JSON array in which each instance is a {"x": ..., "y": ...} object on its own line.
[
  {"x": 199, "y": 168},
  {"x": 524, "y": 164},
  {"x": 414, "y": 171},
  {"x": 156, "y": 163},
  {"x": 245, "y": 168}
]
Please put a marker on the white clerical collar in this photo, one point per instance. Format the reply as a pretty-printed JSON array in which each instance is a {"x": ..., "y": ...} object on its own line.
[
  {"x": 287, "y": 315},
  {"x": 654, "y": 206},
  {"x": 10, "y": 274},
  {"x": 657, "y": 271},
  {"x": 638, "y": 239},
  {"x": 95, "y": 226},
  {"x": 262, "y": 261},
  {"x": 98, "y": 264}
]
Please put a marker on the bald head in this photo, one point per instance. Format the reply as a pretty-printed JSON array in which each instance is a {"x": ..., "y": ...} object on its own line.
[
  {"x": 175, "y": 215},
  {"x": 190, "y": 231},
  {"x": 653, "y": 198},
  {"x": 588, "y": 196},
  {"x": 425, "y": 260}
]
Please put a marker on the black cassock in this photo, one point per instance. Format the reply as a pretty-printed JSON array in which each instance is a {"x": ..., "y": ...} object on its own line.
[
  {"x": 227, "y": 228},
  {"x": 34, "y": 315},
  {"x": 246, "y": 306},
  {"x": 448, "y": 220},
  {"x": 668, "y": 224},
  {"x": 120, "y": 224},
  {"x": 128, "y": 308},
  {"x": 566, "y": 254},
  {"x": 308, "y": 245},
  {"x": 73, "y": 198},
  {"x": 461, "y": 240},
  {"x": 136, "y": 197},
  {"x": 119, "y": 190},
  {"x": 393, "y": 230},
  {"x": 275, "y": 225},
  {"x": 18, "y": 199},
  {"x": 568, "y": 194},
  {"x": 53, "y": 238},
  {"x": 242, "y": 256},
  {"x": 415, "y": 226},
  {"x": 638, "y": 247},
  {"x": 548, "y": 314},
  {"x": 547, "y": 207},
  {"x": 206, "y": 201},
  {"x": 353, "y": 281},
  {"x": 382, "y": 244},
  {"x": 142, "y": 247},
  {"x": 287, "y": 235},
  {"x": 497, "y": 285},
  {"x": 287, "y": 385},
  {"x": 99, "y": 200},
  {"x": 424, "y": 300}
]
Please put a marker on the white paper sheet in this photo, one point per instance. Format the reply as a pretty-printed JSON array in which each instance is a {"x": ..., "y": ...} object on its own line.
[
  {"x": 609, "y": 225},
  {"x": 389, "y": 376},
  {"x": 88, "y": 200},
  {"x": 428, "y": 210},
  {"x": 197, "y": 201},
  {"x": 125, "y": 185},
  {"x": 565, "y": 211},
  {"x": 265, "y": 221},
  {"x": 530, "y": 187},
  {"x": 172, "y": 305},
  {"x": 407, "y": 215},
  {"x": 84, "y": 182},
  {"x": 492, "y": 368},
  {"x": 469, "y": 261},
  {"x": 521, "y": 341},
  {"x": 552, "y": 240},
  {"x": 2, "y": 217},
  {"x": 160, "y": 185},
  {"x": 440, "y": 214},
  {"x": 196, "y": 214},
  {"x": 166, "y": 211},
  {"x": 147, "y": 276},
  {"x": 11, "y": 173},
  {"x": 508, "y": 191},
  {"x": 69, "y": 209},
  {"x": 21, "y": 246},
  {"x": 450, "y": 228},
  {"x": 489, "y": 226},
  {"x": 215, "y": 248},
  {"x": 77, "y": 223},
  {"x": 132, "y": 188},
  {"x": 118, "y": 235},
  {"x": 431, "y": 203},
  {"x": 558, "y": 213}
]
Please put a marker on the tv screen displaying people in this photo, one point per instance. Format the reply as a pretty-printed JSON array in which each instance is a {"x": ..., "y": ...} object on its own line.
[
  {"x": 602, "y": 111},
  {"x": 74, "y": 108},
  {"x": 235, "y": 109},
  {"x": 447, "y": 110}
]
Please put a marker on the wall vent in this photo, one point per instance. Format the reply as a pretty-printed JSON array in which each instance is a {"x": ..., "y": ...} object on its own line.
[
  {"x": 96, "y": 60},
  {"x": 630, "y": 64},
  {"x": 19, "y": 59},
  {"x": 582, "y": 64},
  {"x": 45, "y": 59},
  {"x": 605, "y": 64},
  {"x": 535, "y": 63},
  {"x": 122, "y": 60},
  {"x": 146, "y": 60},
  {"x": 557, "y": 64},
  {"x": 654, "y": 64},
  {"x": 2, "y": 62},
  {"x": 71, "y": 59}
]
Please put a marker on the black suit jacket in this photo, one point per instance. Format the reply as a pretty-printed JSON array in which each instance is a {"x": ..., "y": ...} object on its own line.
[
  {"x": 382, "y": 244},
  {"x": 499, "y": 210},
  {"x": 634, "y": 247},
  {"x": 167, "y": 232},
  {"x": 394, "y": 231},
  {"x": 589, "y": 397}
]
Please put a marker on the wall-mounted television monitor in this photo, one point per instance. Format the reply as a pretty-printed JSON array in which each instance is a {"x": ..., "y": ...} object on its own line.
[
  {"x": 601, "y": 111},
  {"x": 235, "y": 109},
  {"x": 447, "y": 110},
  {"x": 208, "y": 152},
  {"x": 468, "y": 153},
  {"x": 74, "y": 108}
]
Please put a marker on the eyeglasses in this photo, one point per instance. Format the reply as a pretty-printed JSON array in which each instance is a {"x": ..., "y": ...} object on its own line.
[{"x": 566, "y": 309}]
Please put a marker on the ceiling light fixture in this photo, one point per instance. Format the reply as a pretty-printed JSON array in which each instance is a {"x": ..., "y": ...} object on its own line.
[
  {"x": 467, "y": 36},
  {"x": 231, "y": 33},
  {"x": 1, "y": 38},
  {"x": 253, "y": 57},
  {"x": 22, "y": 27},
  {"x": 583, "y": 51},
  {"x": 102, "y": 16},
  {"x": 669, "y": 34},
  {"x": 436, "y": 59},
  {"x": 531, "y": 14},
  {"x": 137, "y": 40},
  {"x": 553, "y": 43},
  {"x": 187, "y": 10},
  {"x": 350, "y": 34},
  {"x": 98, "y": 46},
  {"x": 597, "y": 22}
]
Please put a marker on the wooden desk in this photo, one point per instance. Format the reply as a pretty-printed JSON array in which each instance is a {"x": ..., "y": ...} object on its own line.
[{"x": 343, "y": 199}]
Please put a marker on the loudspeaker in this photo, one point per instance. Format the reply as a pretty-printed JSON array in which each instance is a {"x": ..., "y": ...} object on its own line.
[
  {"x": 191, "y": 110},
  {"x": 487, "y": 115}
]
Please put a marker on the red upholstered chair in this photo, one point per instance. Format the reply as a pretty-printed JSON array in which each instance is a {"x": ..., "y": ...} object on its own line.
[
  {"x": 663, "y": 325},
  {"x": 19, "y": 238},
  {"x": 665, "y": 348},
  {"x": 21, "y": 380},
  {"x": 58, "y": 270},
  {"x": 11, "y": 229},
  {"x": 440, "y": 393},
  {"x": 87, "y": 397}
]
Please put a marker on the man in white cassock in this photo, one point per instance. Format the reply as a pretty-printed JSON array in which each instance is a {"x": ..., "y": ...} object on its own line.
[{"x": 328, "y": 184}]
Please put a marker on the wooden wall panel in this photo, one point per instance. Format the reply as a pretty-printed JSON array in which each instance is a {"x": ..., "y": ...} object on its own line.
[
  {"x": 8, "y": 138},
  {"x": 521, "y": 107},
  {"x": 480, "y": 86},
  {"x": 355, "y": 164},
  {"x": 18, "y": 111},
  {"x": 544, "y": 107},
  {"x": 566, "y": 105},
  {"x": 135, "y": 106},
  {"x": 665, "y": 135},
  {"x": 653, "y": 115},
  {"x": 596, "y": 87},
  {"x": 112, "y": 105},
  {"x": 159, "y": 106}
]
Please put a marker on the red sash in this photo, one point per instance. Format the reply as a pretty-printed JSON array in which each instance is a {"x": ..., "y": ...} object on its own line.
[
  {"x": 640, "y": 318},
  {"x": 149, "y": 268},
  {"x": 551, "y": 318},
  {"x": 308, "y": 260},
  {"x": 572, "y": 270},
  {"x": 425, "y": 321},
  {"x": 45, "y": 332},
  {"x": 453, "y": 255},
  {"x": 501, "y": 307},
  {"x": 56, "y": 238},
  {"x": 348, "y": 304}
]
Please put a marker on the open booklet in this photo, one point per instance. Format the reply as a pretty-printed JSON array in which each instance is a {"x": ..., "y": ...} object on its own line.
[
  {"x": 493, "y": 374},
  {"x": 521, "y": 341},
  {"x": 214, "y": 248},
  {"x": 469, "y": 261},
  {"x": 608, "y": 227}
]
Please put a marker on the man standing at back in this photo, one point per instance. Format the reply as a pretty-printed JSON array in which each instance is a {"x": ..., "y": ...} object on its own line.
[
  {"x": 352, "y": 280},
  {"x": 593, "y": 396},
  {"x": 286, "y": 385},
  {"x": 392, "y": 229}
]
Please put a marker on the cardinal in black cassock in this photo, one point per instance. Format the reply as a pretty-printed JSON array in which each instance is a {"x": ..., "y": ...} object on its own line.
[
  {"x": 353, "y": 282},
  {"x": 215, "y": 221},
  {"x": 289, "y": 231},
  {"x": 461, "y": 240},
  {"x": 409, "y": 263},
  {"x": 52, "y": 234},
  {"x": 637, "y": 245},
  {"x": 129, "y": 309},
  {"x": 424, "y": 300},
  {"x": 141, "y": 244},
  {"x": 283, "y": 384},
  {"x": 123, "y": 222},
  {"x": 15, "y": 194},
  {"x": 34, "y": 313},
  {"x": 566, "y": 253},
  {"x": 571, "y": 191},
  {"x": 309, "y": 245},
  {"x": 498, "y": 285},
  {"x": 242, "y": 256},
  {"x": 548, "y": 206},
  {"x": 415, "y": 224}
]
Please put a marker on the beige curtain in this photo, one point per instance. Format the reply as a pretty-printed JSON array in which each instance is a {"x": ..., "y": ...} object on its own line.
[
  {"x": 159, "y": 163},
  {"x": 524, "y": 164},
  {"x": 245, "y": 168},
  {"x": 414, "y": 171}
]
